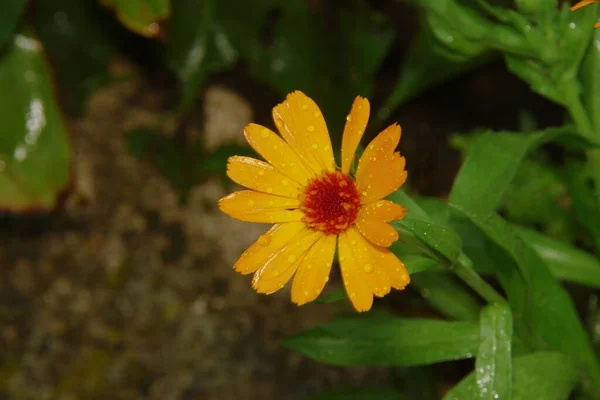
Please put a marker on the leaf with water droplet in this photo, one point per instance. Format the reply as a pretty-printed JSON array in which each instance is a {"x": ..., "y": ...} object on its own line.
[{"x": 34, "y": 149}]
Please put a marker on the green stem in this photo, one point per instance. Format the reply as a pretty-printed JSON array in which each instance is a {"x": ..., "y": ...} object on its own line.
[{"x": 463, "y": 269}]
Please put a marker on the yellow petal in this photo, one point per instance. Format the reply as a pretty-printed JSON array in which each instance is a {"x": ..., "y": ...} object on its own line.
[
  {"x": 261, "y": 176},
  {"x": 277, "y": 152},
  {"x": 267, "y": 245},
  {"x": 356, "y": 122},
  {"x": 302, "y": 125},
  {"x": 314, "y": 271},
  {"x": 378, "y": 233},
  {"x": 382, "y": 211},
  {"x": 251, "y": 206},
  {"x": 368, "y": 269},
  {"x": 278, "y": 269},
  {"x": 381, "y": 170}
]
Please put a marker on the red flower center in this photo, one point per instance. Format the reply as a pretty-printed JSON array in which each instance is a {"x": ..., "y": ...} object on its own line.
[{"x": 330, "y": 203}]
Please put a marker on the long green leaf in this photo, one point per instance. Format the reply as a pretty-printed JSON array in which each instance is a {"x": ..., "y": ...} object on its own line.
[
  {"x": 387, "y": 341},
  {"x": 540, "y": 375},
  {"x": 34, "y": 149},
  {"x": 491, "y": 165},
  {"x": 590, "y": 78},
  {"x": 493, "y": 367},
  {"x": 546, "y": 314},
  {"x": 564, "y": 261},
  {"x": 141, "y": 16}
]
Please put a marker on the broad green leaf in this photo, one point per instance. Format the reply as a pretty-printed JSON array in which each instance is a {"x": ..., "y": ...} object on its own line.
[
  {"x": 34, "y": 149},
  {"x": 416, "y": 262},
  {"x": 385, "y": 340},
  {"x": 141, "y": 16},
  {"x": 566, "y": 262},
  {"x": 542, "y": 308},
  {"x": 491, "y": 165},
  {"x": 446, "y": 295},
  {"x": 424, "y": 67},
  {"x": 540, "y": 375},
  {"x": 361, "y": 393},
  {"x": 10, "y": 15},
  {"x": 441, "y": 243},
  {"x": 76, "y": 30},
  {"x": 493, "y": 366}
]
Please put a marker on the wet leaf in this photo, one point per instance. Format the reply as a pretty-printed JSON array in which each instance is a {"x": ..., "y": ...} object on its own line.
[
  {"x": 10, "y": 16},
  {"x": 493, "y": 366},
  {"x": 141, "y": 16},
  {"x": 34, "y": 148},
  {"x": 590, "y": 78},
  {"x": 374, "y": 340},
  {"x": 541, "y": 375}
]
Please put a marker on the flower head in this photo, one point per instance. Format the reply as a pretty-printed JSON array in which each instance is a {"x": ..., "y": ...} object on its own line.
[
  {"x": 584, "y": 3},
  {"x": 314, "y": 205}
]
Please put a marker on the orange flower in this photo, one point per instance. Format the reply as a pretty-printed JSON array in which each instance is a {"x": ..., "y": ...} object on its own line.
[
  {"x": 314, "y": 205},
  {"x": 584, "y": 3}
]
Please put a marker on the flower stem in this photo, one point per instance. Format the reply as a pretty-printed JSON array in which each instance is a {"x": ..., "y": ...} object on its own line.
[{"x": 464, "y": 270}]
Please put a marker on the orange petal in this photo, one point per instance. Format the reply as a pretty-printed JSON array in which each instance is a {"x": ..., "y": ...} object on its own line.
[
  {"x": 314, "y": 271},
  {"x": 261, "y": 176},
  {"x": 356, "y": 122},
  {"x": 381, "y": 170},
  {"x": 382, "y": 211},
  {"x": 301, "y": 124},
  {"x": 359, "y": 293},
  {"x": 278, "y": 269},
  {"x": 583, "y": 3},
  {"x": 391, "y": 265},
  {"x": 378, "y": 233},
  {"x": 267, "y": 245},
  {"x": 277, "y": 152},
  {"x": 251, "y": 206}
]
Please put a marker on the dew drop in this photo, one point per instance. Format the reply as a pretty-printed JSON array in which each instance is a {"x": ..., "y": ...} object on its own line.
[
  {"x": 264, "y": 240},
  {"x": 265, "y": 133},
  {"x": 326, "y": 279},
  {"x": 368, "y": 268},
  {"x": 292, "y": 258},
  {"x": 326, "y": 147},
  {"x": 309, "y": 266},
  {"x": 311, "y": 128},
  {"x": 349, "y": 118},
  {"x": 315, "y": 146},
  {"x": 316, "y": 114},
  {"x": 251, "y": 203},
  {"x": 304, "y": 107},
  {"x": 354, "y": 243},
  {"x": 342, "y": 259},
  {"x": 306, "y": 293},
  {"x": 353, "y": 295},
  {"x": 269, "y": 190},
  {"x": 261, "y": 172},
  {"x": 364, "y": 193},
  {"x": 285, "y": 182},
  {"x": 279, "y": 123},
  {"x": 276, "y": 273}
]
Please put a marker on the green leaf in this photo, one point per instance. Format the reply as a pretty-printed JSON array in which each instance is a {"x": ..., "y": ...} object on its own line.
[
  {"x": 34, "y": 149},
  {"x": 361, "y": 393},
  {"x": 585, "y": 203},
  {"x": 141, "y": 16},
  {"x": 543, "y": 311},
  {"x": 493, "y": 366},
  {"x": 566, "y": 262},
  {"x": 540, "y": 375},
  {"x": 387, "y": 341},
  {"x": 441, "y": 243},
  {"x": 332, "y": 297},
  {"x": 491, "y": 165},
  {"x": 10, "y": 15},
  {"x": 76, "y": 30},
  {"x": 427, "y": 66},
  {"x": 446, "y": 295}
]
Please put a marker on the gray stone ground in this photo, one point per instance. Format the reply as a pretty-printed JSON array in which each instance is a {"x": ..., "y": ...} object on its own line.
[{"x": 127, "y": 294}]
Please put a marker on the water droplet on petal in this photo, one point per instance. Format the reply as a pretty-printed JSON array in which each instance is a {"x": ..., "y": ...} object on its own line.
[
  {"x": 349, "y": 118},
  {"x": 251, "y": 203},
  {"x": 285, "y": 182},
  {"x": 265, "y": 133},
  {"x": 316, "y": 114},
  {"x": 315, "y": 146},
  {"x": 292, "y": 258},
  {"x": 269, "y": 190},
  {"x": 311, "y": 128},
  {"x": 304, "y": 106},
  {"x": 264, "y": 240},
  {"x": 368, "y": 268}
]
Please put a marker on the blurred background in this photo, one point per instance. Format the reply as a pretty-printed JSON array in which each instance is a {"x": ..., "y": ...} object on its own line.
[{"x": 116, "y": 120}]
